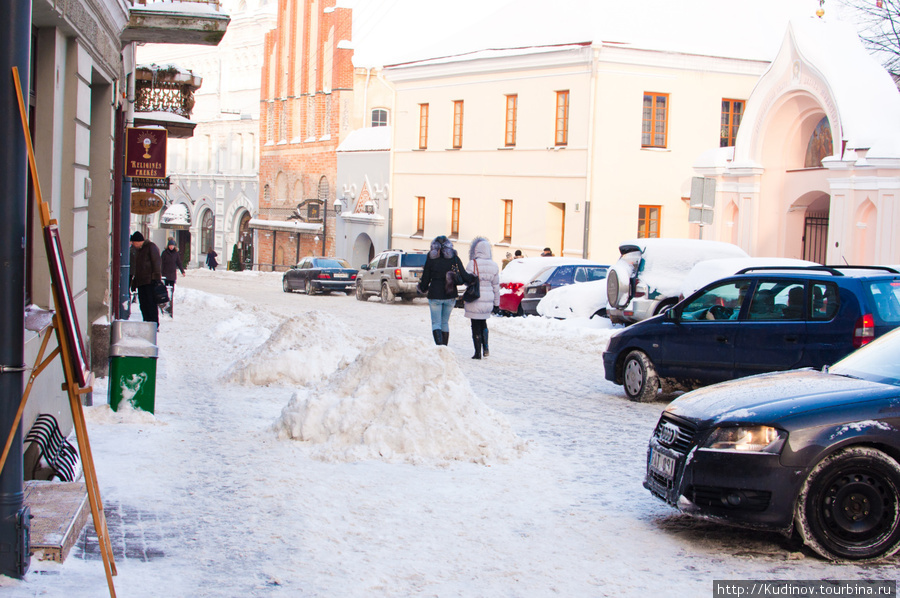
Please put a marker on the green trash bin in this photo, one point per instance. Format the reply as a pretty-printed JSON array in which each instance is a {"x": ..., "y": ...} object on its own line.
[{"x": 132, "y": 364}]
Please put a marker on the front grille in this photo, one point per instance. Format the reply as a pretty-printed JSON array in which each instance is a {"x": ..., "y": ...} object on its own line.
[
  {"x": 729, "y": 498},
  {"x": 675, "y": 433},
  {"x": 658, "y": 483}
]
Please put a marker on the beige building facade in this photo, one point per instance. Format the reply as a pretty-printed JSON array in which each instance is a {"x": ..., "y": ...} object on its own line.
[{"x": 552, "y": 147}]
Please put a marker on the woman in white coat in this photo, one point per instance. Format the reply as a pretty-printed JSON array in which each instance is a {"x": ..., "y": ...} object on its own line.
[{"x": 488, "y": 272}]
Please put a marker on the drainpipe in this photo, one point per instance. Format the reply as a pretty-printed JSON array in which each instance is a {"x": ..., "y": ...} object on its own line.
[
  {"x": 589, "y": 178},
  {"x": 14, "y": 51},
  {"x": 124, "y": 223}
]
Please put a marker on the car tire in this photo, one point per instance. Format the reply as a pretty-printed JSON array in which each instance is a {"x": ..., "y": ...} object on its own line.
[
  {"x": 639, "y": 377},
  {"x": 360, "y": 295},
  {"x": 849, "y": 506},
  {"x": 387, "y": 296},
  {"x": 285, "y": 285},
  {"x": 309, "y": 289}
]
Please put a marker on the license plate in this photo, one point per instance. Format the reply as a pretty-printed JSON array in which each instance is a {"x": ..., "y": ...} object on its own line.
[
  {"x": 339, "y": 275},
  {"x": 664, "y": 465}
]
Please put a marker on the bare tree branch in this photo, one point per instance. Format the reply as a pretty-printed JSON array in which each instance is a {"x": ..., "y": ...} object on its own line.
[{"x": 879, "y": 29}]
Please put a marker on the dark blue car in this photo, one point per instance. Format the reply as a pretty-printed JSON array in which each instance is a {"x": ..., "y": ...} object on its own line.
[
  {"x": 816, "y": 453},
  {"x": 761, "y": 320}
]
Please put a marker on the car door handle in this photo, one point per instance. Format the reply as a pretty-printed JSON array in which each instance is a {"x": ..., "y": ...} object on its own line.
[{"x": 791, "y": 338}]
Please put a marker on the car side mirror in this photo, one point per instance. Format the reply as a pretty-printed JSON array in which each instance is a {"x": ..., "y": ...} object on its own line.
[
  {"x": 364, "y": 267},
  {"x": 670, "y": 315}
]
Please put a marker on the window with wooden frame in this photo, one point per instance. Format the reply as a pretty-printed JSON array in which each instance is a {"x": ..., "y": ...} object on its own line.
[
  {"x": 457, "y": 123},
  {"x": 732, "y": 111},
  {"x": 562, "y": 117},
  {"x": 379, "y": 117},
  {"x": 507, "y": 220},
  {"x": 648, "y": 222},
  {"x": 512, "y": 109},
  {"x": 655, "y": 127},
  {"x": 423, "y": 126},
  {"x": 420, "y": 215},
  {"x": 454, "y": 217}
]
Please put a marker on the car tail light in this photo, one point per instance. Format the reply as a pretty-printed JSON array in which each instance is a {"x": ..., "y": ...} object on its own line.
[
  {"x": 353, "y": 277},
  {"x": 324, "y": 275},
  {"x": 398, "y": 274},
  {"x": 516, "y": 287},
  {"x": 640, "y": 290},
  {"x": 864, "y": 331}
]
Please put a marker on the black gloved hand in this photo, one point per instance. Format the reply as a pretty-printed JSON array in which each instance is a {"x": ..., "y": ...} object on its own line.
[{"x": 496, "y": 310}]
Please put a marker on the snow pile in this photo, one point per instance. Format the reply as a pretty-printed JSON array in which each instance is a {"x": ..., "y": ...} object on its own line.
[
  {"x": 590, "y": 336},
  {"x": 402, "y": 400},
  {"x": 525, "y": 269},
  {"x": 303, "y": 350},
  {"x": 709, "y": 271}
]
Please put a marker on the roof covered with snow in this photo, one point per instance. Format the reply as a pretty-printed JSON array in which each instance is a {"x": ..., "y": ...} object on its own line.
[{"x": 369, "y": 139}]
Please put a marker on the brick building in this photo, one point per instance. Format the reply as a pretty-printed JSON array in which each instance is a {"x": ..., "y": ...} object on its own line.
[{"x": 306, "y": 105}]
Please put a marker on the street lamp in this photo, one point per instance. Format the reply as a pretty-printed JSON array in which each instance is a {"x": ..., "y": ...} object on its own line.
[{"x": 338, "y": 206}]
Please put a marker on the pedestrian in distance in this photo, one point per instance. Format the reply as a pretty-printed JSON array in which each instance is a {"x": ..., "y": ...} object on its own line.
[
  {"x": 171, "y": 264},
  {"x": 485, "y": 269},
  {"x": 211, "y": 262},
  {"x": 442, "y": 272},
  {"x": 146, "y": 270},
  {"x": 547, "y": 252}
]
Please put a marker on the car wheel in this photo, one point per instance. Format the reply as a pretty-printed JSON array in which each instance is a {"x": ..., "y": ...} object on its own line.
[
  {"x": 309, "y": 289},
  {"x": 849, "y": 506},
  {"x": 285, "y": 285},
  {"x": 360, "y": 296},
  {"x": 387, "y": 296},
  {"x": 639, "y": 376}
]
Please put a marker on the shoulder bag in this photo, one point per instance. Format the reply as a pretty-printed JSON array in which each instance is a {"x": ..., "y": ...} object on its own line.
[{"x": 473, "y": 289}]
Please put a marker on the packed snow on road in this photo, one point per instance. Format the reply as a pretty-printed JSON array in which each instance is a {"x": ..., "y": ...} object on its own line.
[{"x": 323, "y": 446}]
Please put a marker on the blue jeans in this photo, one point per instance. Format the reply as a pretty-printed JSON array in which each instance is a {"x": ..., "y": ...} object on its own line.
[{"x": 440, "y": 313}]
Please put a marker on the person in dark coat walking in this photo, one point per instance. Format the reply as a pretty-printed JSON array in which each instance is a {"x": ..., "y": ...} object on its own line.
[
  {"x": 211, "y": 259},
  {"x": 146, "y": 269},
  {"x": 442, "y": 293},
  {"x": 482, "y": 266},
  {"x": 171, "y": 264}
]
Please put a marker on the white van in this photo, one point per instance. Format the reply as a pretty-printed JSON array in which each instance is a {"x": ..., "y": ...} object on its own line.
[{"x": 649, "y": 274}]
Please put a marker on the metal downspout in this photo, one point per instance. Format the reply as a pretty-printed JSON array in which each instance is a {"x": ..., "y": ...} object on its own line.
[
  {"x": 589, "y": 176},
  {"x": 15, "y": 51}
]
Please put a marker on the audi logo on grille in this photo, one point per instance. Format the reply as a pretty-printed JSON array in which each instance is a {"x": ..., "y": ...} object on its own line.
[{"x": 667, "y": 433}]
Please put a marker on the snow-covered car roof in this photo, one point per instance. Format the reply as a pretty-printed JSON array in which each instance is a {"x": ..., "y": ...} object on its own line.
[
  {"x": 525, "y": 269},
  {"x": 709, "y": 271},
  {"x": 668, "y": 261}
]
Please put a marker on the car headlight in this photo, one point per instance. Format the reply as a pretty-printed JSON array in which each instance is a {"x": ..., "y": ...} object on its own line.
[{"x": 750, "y": 439}]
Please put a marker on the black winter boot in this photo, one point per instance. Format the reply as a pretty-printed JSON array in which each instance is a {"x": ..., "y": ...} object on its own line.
[
  {"x": 484, "y": 342},
  {"x": 445, "y": 336},
  {"x": 437, "y": 336},
  {"x": 476, "y": 340}
]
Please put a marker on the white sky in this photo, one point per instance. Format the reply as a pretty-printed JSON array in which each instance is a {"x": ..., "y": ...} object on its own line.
[{"x": 388, "y": 31}]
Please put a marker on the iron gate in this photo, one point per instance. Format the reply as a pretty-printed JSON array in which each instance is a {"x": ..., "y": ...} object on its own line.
[{"x": 815, "y": 237}]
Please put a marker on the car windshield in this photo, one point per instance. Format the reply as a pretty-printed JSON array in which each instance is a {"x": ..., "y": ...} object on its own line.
[
  {"x": 878, "y": 361},
  {"x": 411, "y": 260},
  {"x": 331, "y": 263}
]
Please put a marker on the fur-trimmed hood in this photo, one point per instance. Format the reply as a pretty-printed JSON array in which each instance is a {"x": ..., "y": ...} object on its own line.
[
  {"x": 441, "y": 247},
  {"x": 480, "y": 248}
]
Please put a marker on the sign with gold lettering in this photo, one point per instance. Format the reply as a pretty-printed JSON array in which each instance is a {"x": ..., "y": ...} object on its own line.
[
  {"x": 145, "y": 153},
  {"x": 144, "y": 202}
]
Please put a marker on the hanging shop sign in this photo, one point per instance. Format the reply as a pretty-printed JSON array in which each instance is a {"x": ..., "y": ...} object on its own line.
[
  {"x": 145, "y": 153},
  {"x": 145, "y": 202}
]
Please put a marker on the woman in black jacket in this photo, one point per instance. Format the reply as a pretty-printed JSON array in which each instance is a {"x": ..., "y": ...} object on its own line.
[{"x": 441, "y": 289}]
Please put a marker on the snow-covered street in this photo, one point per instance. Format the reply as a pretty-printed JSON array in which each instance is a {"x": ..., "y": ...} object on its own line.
[{"x": 422, "y": 473}]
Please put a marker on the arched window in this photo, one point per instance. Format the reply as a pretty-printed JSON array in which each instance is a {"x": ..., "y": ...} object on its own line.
[
  {"x": 207, "y": 231},
  {"x": 323, "y": 189},
  {"x": 379, "y": 117},
  {"x": 820, "y": 145}
]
